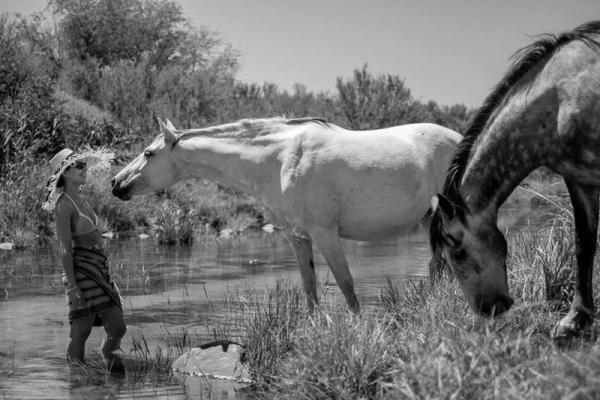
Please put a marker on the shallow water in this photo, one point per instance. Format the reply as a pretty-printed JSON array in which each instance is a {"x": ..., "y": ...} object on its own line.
[{"x": 168, "y": 291}]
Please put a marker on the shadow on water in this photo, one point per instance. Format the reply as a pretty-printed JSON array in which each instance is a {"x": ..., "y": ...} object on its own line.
[{"x": 169, "y": 293}]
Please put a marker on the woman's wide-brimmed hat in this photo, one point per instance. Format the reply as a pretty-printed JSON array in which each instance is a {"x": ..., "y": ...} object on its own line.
[{"x": 98, "y": 163}]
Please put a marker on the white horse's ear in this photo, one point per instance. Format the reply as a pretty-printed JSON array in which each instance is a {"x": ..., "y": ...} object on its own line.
[
  {"x": 170, "y": 125},
  {"x": 168, "y": 134}
]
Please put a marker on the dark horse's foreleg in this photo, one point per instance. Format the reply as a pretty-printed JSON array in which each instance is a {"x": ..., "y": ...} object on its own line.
[
  {"x": 304, "y": 253},
  {"x": 585, "y": 208}
]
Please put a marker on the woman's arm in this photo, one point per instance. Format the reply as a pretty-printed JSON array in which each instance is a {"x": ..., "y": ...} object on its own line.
[{"x": 64, "y": 215}]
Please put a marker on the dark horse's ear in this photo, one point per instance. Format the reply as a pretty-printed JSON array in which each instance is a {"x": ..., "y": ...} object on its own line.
[
  {"x": 447, "y": 211},
  {"x": 167, "y": 133},
  {"x": 441, "y": 204}
]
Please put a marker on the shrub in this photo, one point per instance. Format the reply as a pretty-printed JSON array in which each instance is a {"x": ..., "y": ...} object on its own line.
[{"x": 22, "y": 193}]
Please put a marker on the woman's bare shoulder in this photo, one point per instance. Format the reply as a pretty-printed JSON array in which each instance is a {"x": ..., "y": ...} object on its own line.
[{"x": 64, "y": 207}]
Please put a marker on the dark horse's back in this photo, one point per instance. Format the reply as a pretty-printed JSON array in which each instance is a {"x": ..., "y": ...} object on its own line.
[{"x": 574, "y": 78}]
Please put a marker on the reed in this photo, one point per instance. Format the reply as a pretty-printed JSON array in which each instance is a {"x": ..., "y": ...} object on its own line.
[
  {"x": 174, "y": 224},
  {"x": 155, "y": 360}
]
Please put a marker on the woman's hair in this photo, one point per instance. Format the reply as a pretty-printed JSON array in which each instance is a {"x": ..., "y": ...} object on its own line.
[{"x": 61, "y": 182}]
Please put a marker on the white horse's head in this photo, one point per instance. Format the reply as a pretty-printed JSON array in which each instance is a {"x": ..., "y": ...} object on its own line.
[{"x": 153, "y": 169}]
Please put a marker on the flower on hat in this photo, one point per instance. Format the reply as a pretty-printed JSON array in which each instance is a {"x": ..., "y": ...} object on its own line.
[{"x": 97, "y": 159}]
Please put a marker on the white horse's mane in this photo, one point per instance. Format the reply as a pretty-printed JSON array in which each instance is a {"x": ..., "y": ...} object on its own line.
[{"x": 246, "y": 128}]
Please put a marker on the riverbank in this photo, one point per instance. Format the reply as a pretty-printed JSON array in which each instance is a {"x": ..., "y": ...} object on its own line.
[
  {"x": 424, "y": 342},
  {"x": 426, "y": 346},
  {"x": 421, "y": 342},
  {"x": 187, "y": 212}
]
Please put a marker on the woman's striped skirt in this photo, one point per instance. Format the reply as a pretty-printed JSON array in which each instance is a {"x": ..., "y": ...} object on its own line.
[{"x": 98, "y": 290}]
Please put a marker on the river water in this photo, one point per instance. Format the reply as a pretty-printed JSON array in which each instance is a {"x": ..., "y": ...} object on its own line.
[{"x": 167, "y": 291}]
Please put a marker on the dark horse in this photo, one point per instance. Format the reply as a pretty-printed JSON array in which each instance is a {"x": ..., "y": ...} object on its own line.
[{"x": 544, "y": 112}]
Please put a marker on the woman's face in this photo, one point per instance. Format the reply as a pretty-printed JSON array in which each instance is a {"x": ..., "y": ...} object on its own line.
[{"x": 76, "y": 173}]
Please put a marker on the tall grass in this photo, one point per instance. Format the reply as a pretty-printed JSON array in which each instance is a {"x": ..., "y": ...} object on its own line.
[
  {"x": 543, "y": 257},
  {"x": 337, "y": 355},
  {"x": 266, "y": 325},
  {"x": 424, "y": 342},
  {"x": 543, "y": 261}
]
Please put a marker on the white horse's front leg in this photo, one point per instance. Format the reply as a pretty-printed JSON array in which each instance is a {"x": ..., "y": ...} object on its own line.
[
  {"x": 329, "y": 243},
  {"x": 304, "y": 253}
]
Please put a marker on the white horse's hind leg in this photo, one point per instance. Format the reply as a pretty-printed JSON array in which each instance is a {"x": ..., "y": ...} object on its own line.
[
  {"x": 329, "y": 243},
  {"x": 304, "y": 253}
]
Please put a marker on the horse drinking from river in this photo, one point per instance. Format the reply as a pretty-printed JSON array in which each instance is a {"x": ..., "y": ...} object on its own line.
[
  {"x": 317, "y": 181},
  {"x": 544, "y": 112}
]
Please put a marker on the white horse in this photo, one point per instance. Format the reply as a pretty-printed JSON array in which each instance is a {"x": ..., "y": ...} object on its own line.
[{"x": 317, "y": 181}]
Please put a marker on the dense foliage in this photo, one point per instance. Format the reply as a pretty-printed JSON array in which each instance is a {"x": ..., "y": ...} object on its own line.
[{"x": 99, "y": 72}]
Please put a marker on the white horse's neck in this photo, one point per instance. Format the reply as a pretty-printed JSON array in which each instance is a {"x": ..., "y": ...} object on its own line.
[{"x": 233, "y": 154}]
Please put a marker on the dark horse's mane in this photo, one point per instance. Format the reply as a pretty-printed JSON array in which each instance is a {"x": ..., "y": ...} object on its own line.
[{"x": 524, "y": 60}]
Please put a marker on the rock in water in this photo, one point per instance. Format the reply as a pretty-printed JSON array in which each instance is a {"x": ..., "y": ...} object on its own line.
[
  {"x": 7, "y": 246},
  {"x": 268, "y": 228},
  {"x": 219, "y": 362}
]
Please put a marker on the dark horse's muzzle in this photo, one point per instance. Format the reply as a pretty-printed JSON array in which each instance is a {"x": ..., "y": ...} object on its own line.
[{"x": 493, "y": 306}]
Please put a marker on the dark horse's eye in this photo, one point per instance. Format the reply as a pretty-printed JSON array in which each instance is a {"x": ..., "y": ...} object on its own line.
[
  {"x": 459, "y": 254},
  {"x": 148, "y": 153}
]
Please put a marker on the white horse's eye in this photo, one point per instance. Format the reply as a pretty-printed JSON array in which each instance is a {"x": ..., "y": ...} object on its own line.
[{"x": 148, "y": 153}]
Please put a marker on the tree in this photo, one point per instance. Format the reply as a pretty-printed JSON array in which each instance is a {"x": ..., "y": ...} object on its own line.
[
  {"x": 369, "y": 102},
  {"x": 140, "y": 58},
  {"x": 28, "y": 113},
  {"x": 115, "y": 30}
]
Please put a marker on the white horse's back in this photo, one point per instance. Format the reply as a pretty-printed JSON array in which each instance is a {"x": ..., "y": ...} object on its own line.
[{"x": 371, "y": 184}]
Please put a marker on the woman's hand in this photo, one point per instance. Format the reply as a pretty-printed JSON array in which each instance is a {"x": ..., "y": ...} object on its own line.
[{"x": 75, "y": 296}]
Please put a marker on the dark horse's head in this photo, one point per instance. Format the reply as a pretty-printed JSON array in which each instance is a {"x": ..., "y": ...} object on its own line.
[
  {"x": 475, "y": 251},
  {"x": 471, "y": 243}
]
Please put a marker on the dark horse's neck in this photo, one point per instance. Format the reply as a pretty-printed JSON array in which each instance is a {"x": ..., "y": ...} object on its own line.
[
  {"x": 519, "y": 139},
  {"x": 499, "y": 162}
]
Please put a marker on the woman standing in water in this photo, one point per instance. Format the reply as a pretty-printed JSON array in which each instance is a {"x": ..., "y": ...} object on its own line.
[{"x": 93, "y": 299}]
